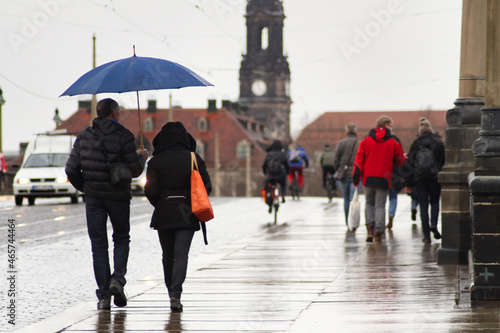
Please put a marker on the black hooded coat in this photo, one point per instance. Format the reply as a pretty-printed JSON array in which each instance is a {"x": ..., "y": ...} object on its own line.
[
  {"x": 169, "y": 176},
  {"x": 275, "y": 151}
]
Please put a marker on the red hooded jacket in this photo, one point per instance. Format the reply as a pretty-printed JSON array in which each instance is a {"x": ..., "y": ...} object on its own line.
[{"x": 375, "y": 158}]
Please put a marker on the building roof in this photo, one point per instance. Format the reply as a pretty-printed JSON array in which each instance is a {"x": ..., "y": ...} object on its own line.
[
  {"x": 231, "y": 127},
  {"x": 329, "y": 128}
]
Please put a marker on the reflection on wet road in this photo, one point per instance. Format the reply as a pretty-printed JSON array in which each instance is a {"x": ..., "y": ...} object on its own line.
[{"x": 307, "y": 275}]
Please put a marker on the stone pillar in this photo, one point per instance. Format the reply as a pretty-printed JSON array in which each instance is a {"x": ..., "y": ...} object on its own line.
[
  {"x": 485, "y": 183},
  {"x": 463, "y": 128}
]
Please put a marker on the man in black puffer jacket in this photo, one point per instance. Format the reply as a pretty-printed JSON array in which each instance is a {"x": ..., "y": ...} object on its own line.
[{"x": 87, "y": 169}]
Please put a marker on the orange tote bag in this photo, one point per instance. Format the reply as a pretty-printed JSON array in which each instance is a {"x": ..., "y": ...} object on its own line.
[{"x": 200, "y": 204}]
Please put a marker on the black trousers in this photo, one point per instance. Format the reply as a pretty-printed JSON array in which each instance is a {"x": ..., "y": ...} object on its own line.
[
  {"x": 328, "y": 169},
  {"x": 175, "y": 244},
  {"x": 428, "y": 194}
]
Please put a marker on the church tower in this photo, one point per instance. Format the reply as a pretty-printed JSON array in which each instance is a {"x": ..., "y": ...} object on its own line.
[{"x": 264, "y": 72}]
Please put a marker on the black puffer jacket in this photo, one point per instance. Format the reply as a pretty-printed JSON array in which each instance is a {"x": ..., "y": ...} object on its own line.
[
  {"x": 169, "y": 174},
  {"x": 87, "y": 166}
]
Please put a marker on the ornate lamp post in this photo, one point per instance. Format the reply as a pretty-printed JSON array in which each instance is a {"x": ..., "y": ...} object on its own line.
[{"x": 56, "y": 118}]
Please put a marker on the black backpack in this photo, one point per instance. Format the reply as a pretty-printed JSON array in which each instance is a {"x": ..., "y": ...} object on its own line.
[
  {"x": 274, "y": 166},
  {"x": 425, "y": 164}
]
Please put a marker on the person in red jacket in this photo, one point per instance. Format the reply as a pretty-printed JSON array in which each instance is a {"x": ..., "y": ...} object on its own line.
[{"x": 373, "y": 165}]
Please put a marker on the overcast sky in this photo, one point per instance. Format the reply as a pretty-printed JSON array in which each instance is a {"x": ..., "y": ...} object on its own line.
[{"x": 343, "y": 55}]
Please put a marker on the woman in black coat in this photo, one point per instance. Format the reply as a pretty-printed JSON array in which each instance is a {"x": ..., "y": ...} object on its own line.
[{"x": 168, "y": 190}]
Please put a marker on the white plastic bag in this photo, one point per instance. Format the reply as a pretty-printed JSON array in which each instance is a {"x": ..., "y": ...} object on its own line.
[{"x": 354, "y": 212}]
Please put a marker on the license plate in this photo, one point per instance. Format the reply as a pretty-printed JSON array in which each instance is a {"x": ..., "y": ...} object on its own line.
[{"x": 42, "y": 187}]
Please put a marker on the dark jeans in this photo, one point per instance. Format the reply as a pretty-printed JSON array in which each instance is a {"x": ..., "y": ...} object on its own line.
[
  {"x": 175, "y": 244},
  {"x": 347, "y": 189},
  {"x": 428, "y": 193},
  {"x": 118, "y": 211}
]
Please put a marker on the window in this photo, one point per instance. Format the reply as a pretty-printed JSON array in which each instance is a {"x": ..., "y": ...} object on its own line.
[
  {"x": 242, "y": 150},
  {"x": 202, "y": 124},
  {"x": 264, "y": 39},
  {"x": 46, "y": 160},
  {"x": 200, "y": 148},
  {"x": 148, "y": 124}
]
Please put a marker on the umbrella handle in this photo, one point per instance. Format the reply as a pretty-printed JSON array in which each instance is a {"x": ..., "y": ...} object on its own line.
[{"x": 140, "y": 122}]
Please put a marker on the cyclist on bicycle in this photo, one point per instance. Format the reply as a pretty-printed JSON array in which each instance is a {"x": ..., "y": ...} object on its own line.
[
  {"x": 297, "y": 160},
  {"x": 326, "y": 162},
  {"x": 276, "y": 168}
]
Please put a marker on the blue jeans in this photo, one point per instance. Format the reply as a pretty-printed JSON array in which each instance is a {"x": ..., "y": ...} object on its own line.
[
  {"x": 393, "y": 201},
  {"x": 175, "y": 244},
  {"x": 347, "y": 189},
  {"x": 428, "y": 193},
  {"x": 375, "y": 207},
  {"x": 118, "y": 211}
]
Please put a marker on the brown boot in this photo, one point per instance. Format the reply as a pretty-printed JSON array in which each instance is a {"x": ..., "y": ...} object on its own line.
[
  {"x": 378, "y": 237},
  {"x": 369, "y": 229},
  {"x": 389, "y": 225}
]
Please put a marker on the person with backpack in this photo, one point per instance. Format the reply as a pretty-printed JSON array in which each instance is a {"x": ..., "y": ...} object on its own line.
[
  {"x": 398, "y": 183},
  {"x": 326, "y": 162},
  {"x": 426, "y": 159},
  {"x": 276, "y": 168},
  {"x": 297, "y": 160},
  {"x": 374, "y": 164}
]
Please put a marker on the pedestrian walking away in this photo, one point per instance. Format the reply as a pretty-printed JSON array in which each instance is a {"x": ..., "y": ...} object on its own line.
[
  {"x": 276, "y": 169},
  {"x": 95, "y": 149},
  {"x": 168, "y": 190},
  {"x": 345, "y": 153},
  {"x": 373, "y": 168},
  {"x": 398, "y": 182},
  {"x": 426, "y": 158}
]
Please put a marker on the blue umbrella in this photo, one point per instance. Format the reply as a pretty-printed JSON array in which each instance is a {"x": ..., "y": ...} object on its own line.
[{"x": 135, "y": 74}]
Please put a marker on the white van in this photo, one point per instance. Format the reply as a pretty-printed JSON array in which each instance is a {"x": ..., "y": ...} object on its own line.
[{"x": 42, "y": 171}]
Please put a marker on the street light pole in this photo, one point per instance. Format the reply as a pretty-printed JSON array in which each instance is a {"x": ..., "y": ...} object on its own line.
[
  {"x": 56, "y": 118},
  {"x": 2, "y": 102}
]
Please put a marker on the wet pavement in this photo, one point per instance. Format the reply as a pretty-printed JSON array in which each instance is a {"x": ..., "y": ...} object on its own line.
[{"x": 307, "y": 274}]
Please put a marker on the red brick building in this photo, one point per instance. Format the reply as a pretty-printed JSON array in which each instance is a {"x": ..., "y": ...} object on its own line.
[{"x": 236, "y": 133}]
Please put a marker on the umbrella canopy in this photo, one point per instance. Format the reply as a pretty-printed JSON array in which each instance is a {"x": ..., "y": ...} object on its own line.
[{"x": 135, "y": 74}]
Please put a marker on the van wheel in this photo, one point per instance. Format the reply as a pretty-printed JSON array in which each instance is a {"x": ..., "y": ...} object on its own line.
[
  {"x": 74, "y": 199},
  {"x": 31, "y": 201},
  {"x": 19, "y": 200}
]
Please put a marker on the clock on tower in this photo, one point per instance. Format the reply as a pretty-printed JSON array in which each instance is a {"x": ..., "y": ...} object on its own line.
[{"x": 264, "y": 71}]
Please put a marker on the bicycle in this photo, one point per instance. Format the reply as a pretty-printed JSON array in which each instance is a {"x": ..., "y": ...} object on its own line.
[
  {"x": 294, "y": 187},
  {"x": 330, "y": 186},
  {"x": 273, "y": 193}
]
